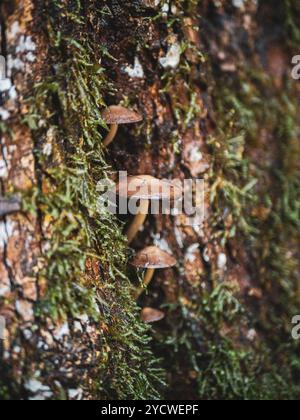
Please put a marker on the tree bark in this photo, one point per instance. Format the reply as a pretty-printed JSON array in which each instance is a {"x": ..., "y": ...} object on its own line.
[{"x": 212, "y": 80}]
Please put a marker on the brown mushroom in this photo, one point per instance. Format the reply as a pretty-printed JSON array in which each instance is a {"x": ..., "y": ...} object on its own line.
[
  {"x": 152, "y": 258},
  {"x": 145, "y": 188},
  {"x": 9, "y": 205},
  {"x": 116, "y": 115},
  {"x": 149, "y": 315}
]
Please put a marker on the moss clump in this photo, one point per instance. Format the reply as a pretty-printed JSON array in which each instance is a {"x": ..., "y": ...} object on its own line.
[
  {"x": 268, "y": 214},
  {"x": 65, "y": 117},
  {"x": 256, "y": 207}
]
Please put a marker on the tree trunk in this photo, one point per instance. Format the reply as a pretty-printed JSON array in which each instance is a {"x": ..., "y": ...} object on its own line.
[{"x": 212, "y": 80}]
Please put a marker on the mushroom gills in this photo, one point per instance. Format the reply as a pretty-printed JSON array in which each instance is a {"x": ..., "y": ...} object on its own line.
[{"x": 149, "y": 315}]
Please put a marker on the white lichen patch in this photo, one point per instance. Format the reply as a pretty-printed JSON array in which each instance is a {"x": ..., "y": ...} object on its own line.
[
  {"x": 25, "y": 310},
  {"x": 27, "y": 334},
  {"x": 238, "y": 3},
  {"x": 4, "y": 287},
  {"x": 5, "y": 156},
  {"x": 3, "y": 169},
  {"x": 174, "y": 9},
  {"x": 17, "y": 350},
  {"x": 6, "y": 231},
  {"x": 75, "y": 394},
  {"x": 5, "y": 85},
  {"x": 46, "y": 246},
  {"x": 24, "y": 52},
  {"x": 48, "y": 338},
  {"x": 161, "y": 243},
  {"x": 42, "y": 346},
  {"x": 222, "y": 261},
  {"x": 48, "y": 146},
  {"x": 4, "y": 114},
  {"x": 36, "y": 387},
  {"x": 84, "y": 318},
  {"x": 25, "y": 44},
  {"x": 27, "y": 162},
  {"x": 30, "y": 57},
  {"x": 199, "y": 230},
  {"x": 135, "y": 72},
  {"x": 172, "y": 59},
  {"x": 179, "y": 237},
  {"x": 165, "y": 8},
  {"x": 195, "y": 154},
  {"x": 33, "y": 385},
  {"x": 47, "y": 149},
  {"x": 14, "y": 64},
  {"x": 13, "y": 95},
  {"x": 12, "y": 148},
  {"x": 62, "y": 331},
  {"x": 191, "y": 252},
  {"x": 206, "y": 256},
  {"x": 77, "y": 327},
  {"x": 13, "y": 30},
  {"x": 252, "y": 335}
]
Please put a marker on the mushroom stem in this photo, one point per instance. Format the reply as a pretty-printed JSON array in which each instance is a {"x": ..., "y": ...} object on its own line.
[
  {"x": 111, "y": 135},
  {"x": 147, "y": 279},
  {"x": 148, "y": 276},
  {"x": 138, "y": 221}
]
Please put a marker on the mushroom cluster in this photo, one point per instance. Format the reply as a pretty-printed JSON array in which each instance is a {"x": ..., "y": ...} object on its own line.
[{"x": 143, "y": 189}]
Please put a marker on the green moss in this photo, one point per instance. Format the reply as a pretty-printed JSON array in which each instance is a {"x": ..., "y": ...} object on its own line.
[
  {"x": 268, "y": 239},
  {"x": 292, "y": 21},
  {"x": 232, "y": 186},
  {"x": 206, "y": 355}
]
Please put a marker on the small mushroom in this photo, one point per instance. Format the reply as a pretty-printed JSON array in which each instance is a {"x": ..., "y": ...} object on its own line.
[
  {"x": 116, "y": 115},
  {"x": 152, "y": 258},
  {"x": 146, "y": 188},
  {"x": 9, "y": 205},
  {"x": 149, "y": 315}
]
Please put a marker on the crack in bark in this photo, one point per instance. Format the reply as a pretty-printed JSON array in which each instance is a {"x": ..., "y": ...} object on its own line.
[
  {"x": 6, "y": 260},
  {"x": 3, "y": 33}
]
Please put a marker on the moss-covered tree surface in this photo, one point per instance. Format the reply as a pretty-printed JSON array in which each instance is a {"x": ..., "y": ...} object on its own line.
[{"x": 212, "y": 80}]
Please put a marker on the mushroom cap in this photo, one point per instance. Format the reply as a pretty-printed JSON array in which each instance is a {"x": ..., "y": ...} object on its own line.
[
  {"x": 153, "y": 257},
  {"x": 149, "y": 315},
  {"x": 117, "y": 114},
  {"x": 146, "y": 187}
]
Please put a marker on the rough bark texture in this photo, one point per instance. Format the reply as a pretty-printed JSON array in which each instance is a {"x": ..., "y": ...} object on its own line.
[{"x": 213, "y": 82}]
